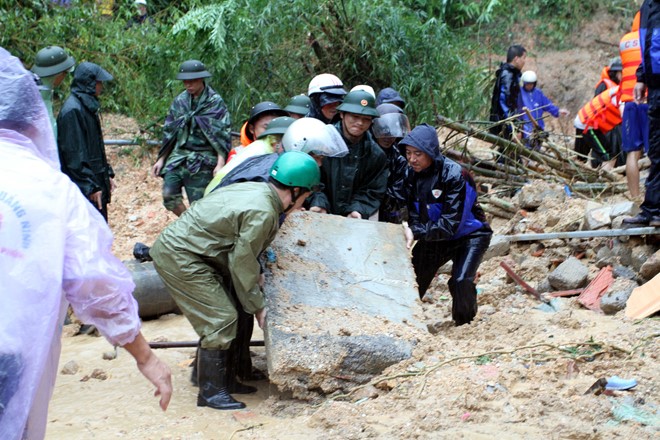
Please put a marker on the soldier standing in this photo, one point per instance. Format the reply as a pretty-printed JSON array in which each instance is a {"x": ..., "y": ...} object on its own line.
[{"x": 196, "y": 138}]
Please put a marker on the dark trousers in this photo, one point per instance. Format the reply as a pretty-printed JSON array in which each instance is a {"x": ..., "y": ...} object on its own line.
[
  {"x": 651, "y": 205},
  {"x": 466, "y": 254}
]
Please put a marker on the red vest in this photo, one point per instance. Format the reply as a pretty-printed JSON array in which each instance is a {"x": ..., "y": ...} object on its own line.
[
  {"x": 631, "y": 57},
  {"x": 601, "y": 113}
]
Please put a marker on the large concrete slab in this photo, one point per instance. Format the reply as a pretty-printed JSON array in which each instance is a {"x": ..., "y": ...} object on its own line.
[{"x": 342, "y": 303}]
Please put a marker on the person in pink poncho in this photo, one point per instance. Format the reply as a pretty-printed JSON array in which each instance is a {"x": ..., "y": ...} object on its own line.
[{"x": 54, "y": 251}]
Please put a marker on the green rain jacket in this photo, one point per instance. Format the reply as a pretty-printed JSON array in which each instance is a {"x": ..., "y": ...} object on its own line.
[
  {"x": 355, "y": 182},
  {"x": 224, "y": 233}
]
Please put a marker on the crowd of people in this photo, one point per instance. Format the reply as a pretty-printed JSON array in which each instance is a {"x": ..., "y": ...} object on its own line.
[
  {"x": 612, "y": 129},
  {"x": 330, "y": 151}
]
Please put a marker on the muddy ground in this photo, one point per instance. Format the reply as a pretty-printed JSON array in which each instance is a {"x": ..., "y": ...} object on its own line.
[{"x": 515, "y": 372}]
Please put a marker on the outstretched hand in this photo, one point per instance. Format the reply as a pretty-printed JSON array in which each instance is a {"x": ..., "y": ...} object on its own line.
[
  {"x": 151, "y": 367},
  {"x": 159, "y": 374}
]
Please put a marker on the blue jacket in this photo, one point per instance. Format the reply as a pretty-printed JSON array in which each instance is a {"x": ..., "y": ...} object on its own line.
[
  {"x": 537, "y": 103},
  {"x": 442, "y": 199},
  {"x": 505, "y": 92},
  {"x": 648, "y": 71}
]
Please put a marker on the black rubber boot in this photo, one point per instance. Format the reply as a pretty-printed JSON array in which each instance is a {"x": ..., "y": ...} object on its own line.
[
  {"x": 193, "y": 373},
  {"x": 212, "y": 378},
  {"x": 234, "y": 386}
]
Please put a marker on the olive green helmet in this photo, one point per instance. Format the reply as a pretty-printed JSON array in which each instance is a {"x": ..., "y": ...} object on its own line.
[
  {"x": 192, "y": 69},
  {"x": 296, "y": 169},
  {"x": 299, "y": 105},
  {"x": 359, "y": 102},
  {"x": 52, "y": 60},
  {"x": 277, "y": 126}
]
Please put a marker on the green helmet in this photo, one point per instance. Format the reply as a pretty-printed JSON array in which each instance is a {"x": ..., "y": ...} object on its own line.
[
  {"x": 296, "y": 169},
  {"x": 360, "y": 103},
  {"x": 52, "y": 60},
  {"x": 277, "y": 126},
  {"x": 192, "y": 69},
  {"x": 299, "y": 105}
]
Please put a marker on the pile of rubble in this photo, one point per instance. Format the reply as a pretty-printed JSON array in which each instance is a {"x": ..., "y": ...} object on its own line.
[{"x": 603, "y": 268}]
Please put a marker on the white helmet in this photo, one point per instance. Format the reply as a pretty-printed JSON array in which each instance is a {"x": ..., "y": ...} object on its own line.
[
  {"x": 312, "y": 136},
  {"x": 529, "y": 76},
  {"x": 365, "y": 88},
  {"x": 326, "y": 82},
  {"x": 140, "y": 2}
]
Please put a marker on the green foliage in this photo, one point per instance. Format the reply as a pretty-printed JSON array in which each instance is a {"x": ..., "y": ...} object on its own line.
[{"x": 431, "y": 51}]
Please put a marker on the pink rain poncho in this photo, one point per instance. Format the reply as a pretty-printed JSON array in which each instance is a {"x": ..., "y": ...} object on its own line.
[{"x": 54, "y": 250}]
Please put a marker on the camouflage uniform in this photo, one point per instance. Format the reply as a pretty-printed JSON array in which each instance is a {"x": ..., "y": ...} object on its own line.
[{"x": 196, "y": 131}]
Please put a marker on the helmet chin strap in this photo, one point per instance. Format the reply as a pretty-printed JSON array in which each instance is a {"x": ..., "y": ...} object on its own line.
[{"x": 294, "y": 199}]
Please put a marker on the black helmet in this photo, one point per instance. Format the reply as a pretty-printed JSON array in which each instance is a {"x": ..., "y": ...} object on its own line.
[
  {"x": 359, "y": 102},
  {"x": 52, "y": 60},
  {"x": 192, "y": 69},
  {"x": 616, "y": 65},
  {"x": 265, "y": 107}
]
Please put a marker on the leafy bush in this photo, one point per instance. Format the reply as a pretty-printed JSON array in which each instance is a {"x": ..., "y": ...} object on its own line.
[{"x": 432, "y": 51}]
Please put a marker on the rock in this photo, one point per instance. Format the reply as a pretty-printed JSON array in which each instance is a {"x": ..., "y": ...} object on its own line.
[
  {"x": 651, "y": 267},
  {"x": 487, "y": 309},
  {"x": 617, "y": 223},
  {"x": 639, "y": 255},
  {"x": 615, "y": 299},
  {"x": 555, "y": 243},
  {"x": 99, "y": 374},
  {"x": 498, "y": 247},
  {"x": 619, "y": 271},
  {"x": 534, "y": 193},
  {"x": 446, "y": 268},
  {"x": 623, "y": 251},
  {"x": 571, "y": 274},
  {"x": 110, "y": 355},
  {"x": 597, "y": 218},
  {"x": 347, "y": 319},
  {"x": 552, "y": 220},
  {"x": 609, "y": 261},
  {"x": 70, "y": 367},
  {"x": 70, "y": 330},
  {"x": 626, "y": 209},
  {"x": 604, "y": 252},
  {"x": 544, "y": 286}
]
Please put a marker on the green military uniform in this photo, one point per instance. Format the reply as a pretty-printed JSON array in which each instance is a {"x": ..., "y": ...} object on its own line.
[
  {"x": 218, "y": 237},
  {"x": 196, "y": 131},
  {"x": 354, "y": 182}
]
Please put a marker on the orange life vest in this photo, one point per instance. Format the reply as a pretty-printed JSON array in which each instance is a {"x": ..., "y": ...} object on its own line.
[
  {"x": 631, "y": 58},
  {"x": 602, "y": 113},
  {"x": 605, "y": 77},
  {"x": 636, "y": 20}
]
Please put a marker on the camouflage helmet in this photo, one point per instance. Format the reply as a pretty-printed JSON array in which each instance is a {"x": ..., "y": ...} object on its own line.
[
  {"x": 192, "y": 69},
  {"x": 52, "y": 60}
]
